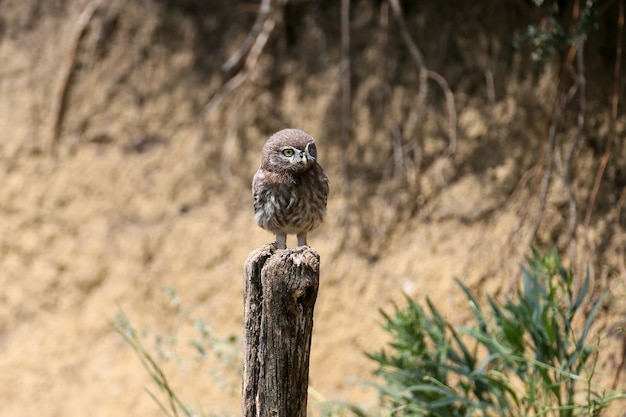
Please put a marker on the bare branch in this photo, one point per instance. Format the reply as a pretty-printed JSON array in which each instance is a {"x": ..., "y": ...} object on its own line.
[
  {"x": 618, "y": 215},
  {"x": 424, "y": 74},
  {"x": 581, "y": 81},
  {"x": 614, "y": 106},
  {"x": 59, "y": 97},
  {"x": 452, "y": 118},
  {"x": 346, "y": 92},
  {"x": 547, "y": 169},
  {"x": 418, "y": 58},
  {"x": 252, "y": 57},
  {"x": 237, "y": 58}
]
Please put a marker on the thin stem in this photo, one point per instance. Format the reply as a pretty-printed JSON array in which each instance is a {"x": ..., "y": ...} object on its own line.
[
  {"x": 346, "y": 92},
  {"x": 570, "y": 156},
  {"x": 613, "y": 125}
]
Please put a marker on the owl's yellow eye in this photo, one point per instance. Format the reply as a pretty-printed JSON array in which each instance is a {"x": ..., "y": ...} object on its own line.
[{"x": 288, "y": 152}]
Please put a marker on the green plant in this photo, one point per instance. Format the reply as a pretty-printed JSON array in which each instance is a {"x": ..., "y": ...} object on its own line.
[
  {"x": 164, "y": 346},
  {"x": 204, "y": 344},
  {"x": 521, "y": 358},
  {"x": 549, "y": 34},
  {"x": 175, "y": 405}
]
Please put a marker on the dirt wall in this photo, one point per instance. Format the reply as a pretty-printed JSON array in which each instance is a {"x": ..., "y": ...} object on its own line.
[{"x": 142, "y": 201}]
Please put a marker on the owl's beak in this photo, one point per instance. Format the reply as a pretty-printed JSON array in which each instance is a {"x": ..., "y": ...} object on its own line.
[{"x": 304, "y": 160}]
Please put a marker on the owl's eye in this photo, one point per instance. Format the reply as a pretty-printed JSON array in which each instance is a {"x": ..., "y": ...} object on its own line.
[{"x": 288, "y": 152}]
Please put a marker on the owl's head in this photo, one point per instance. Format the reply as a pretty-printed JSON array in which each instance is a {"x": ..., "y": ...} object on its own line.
[{"x": 289, "y": 150}]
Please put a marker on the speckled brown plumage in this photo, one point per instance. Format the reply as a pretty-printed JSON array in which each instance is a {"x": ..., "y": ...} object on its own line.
[{"x": 290, "y": 188}]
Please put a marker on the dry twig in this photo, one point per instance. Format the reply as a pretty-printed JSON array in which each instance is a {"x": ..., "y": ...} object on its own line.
[
  {"x": 424, "y": 74},
  {"x": 451, "y": 109},
  {"x": 622, "y": 361},
  {"x": 61, "y": 88},
  {"x": 563, "y": 99},
  {"x": 614, "y": 107},
  {"x": 618, "y": 216},
  {"x": 251, "y": 57},
  {"x": 346, "y": 116},
  {"x": 418, "y": 58},
  {"x": 238, "y": 57},
  {"x": 547, "y": 170},
  {"x": 581, "y": 81},
  {"x": 346, "y": 92}
]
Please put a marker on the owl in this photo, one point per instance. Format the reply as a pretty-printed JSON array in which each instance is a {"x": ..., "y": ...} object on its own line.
[{"x": 290, "y": 188}]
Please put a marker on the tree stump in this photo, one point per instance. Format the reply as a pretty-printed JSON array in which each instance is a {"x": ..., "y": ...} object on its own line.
[{"x": 280, "y": 290}]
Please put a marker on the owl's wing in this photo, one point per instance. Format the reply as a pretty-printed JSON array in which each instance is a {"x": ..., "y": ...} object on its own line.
[
  {"x": 325, "y": 183},
  {"x": 257, "y": 182}
]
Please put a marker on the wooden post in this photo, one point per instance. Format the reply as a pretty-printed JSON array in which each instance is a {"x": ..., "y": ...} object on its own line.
[{"x": 280, "y": 289}]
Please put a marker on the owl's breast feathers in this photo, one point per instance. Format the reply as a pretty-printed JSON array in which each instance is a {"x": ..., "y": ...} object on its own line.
[{"x": 290, "y": 203}]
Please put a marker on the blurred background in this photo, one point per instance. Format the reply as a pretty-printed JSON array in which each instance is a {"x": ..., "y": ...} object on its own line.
[{"x": 457, "y": 137}]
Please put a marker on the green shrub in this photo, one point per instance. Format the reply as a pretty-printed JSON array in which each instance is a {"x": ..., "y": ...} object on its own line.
[{"x": 520, "y": 358}]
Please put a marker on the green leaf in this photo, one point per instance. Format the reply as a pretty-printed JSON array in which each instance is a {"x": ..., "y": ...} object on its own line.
[
  {"x": 581, "y": 295},
  {"x": 580, "y": 345}
]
